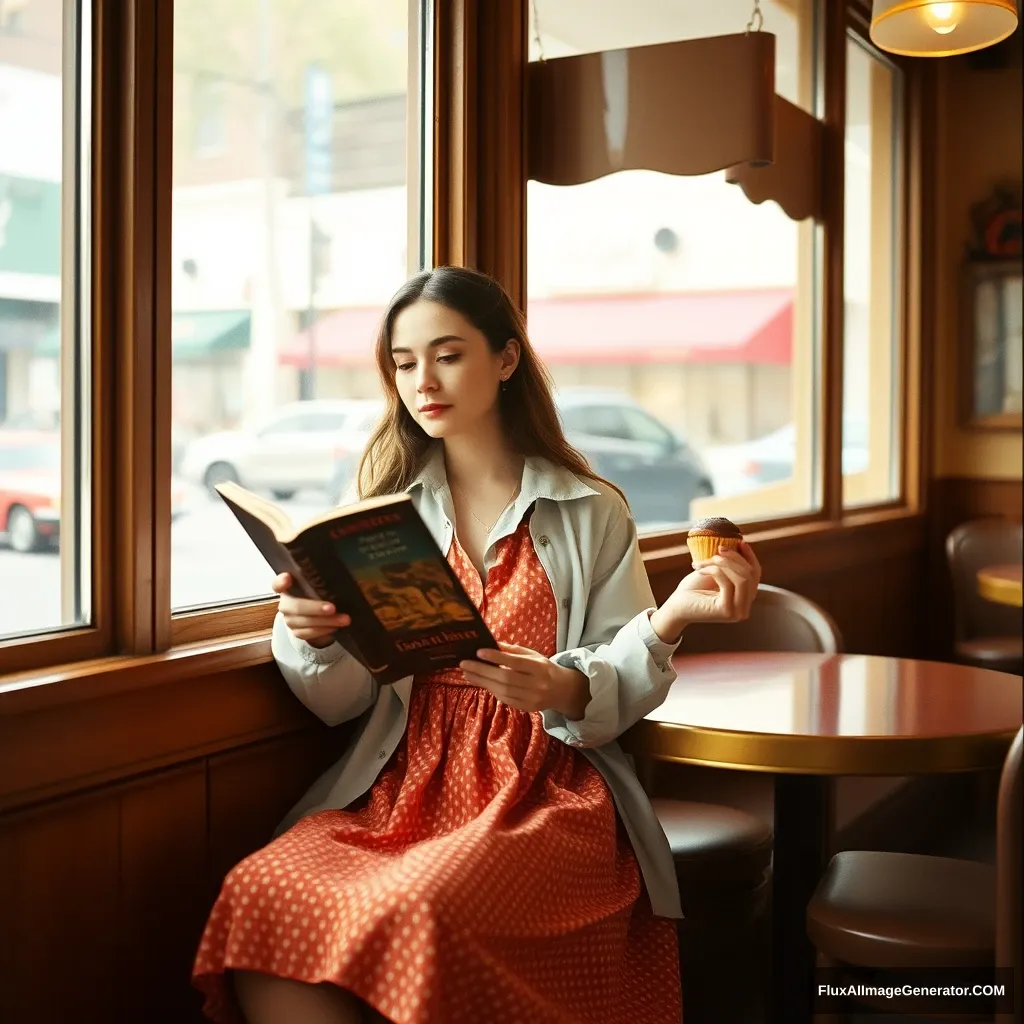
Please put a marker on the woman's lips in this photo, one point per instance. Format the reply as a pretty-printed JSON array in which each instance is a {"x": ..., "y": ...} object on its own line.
[{"x": 434, "y": 410}]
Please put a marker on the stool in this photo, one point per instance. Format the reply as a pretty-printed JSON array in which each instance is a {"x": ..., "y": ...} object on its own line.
[{"x": 723, "y": 859}]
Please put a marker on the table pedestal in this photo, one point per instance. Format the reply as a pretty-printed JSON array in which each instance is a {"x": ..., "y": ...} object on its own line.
[{"x": 801, "y": 852}]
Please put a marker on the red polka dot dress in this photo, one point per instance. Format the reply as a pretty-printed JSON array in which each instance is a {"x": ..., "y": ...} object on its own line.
[{"x": 485, "y": 877}]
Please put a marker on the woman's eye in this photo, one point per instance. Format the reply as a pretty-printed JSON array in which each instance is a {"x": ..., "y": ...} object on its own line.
[
  {"x": 404, "y": 366},
  {"x": 452, "y": 358}
]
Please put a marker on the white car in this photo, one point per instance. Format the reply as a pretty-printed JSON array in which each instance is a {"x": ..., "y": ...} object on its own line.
[{"x": 291, "y": 450}]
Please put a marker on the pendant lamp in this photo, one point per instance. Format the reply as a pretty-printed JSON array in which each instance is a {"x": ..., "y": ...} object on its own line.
[{"x": 923, "y": 28}]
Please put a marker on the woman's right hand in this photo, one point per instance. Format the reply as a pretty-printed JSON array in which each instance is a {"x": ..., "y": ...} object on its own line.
[{"x": 312, "y": 621}]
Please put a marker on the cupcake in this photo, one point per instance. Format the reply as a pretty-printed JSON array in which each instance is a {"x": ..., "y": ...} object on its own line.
[{"x": 706, "y": 536}]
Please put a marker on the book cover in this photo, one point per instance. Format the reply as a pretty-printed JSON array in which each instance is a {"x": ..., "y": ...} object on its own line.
[{"x": 377, "y": 562}]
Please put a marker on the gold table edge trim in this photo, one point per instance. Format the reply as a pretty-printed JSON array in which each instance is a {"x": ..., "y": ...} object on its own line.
[
  {"x": 1000, "y": 591},
  {"x": 817, "y": 755}
]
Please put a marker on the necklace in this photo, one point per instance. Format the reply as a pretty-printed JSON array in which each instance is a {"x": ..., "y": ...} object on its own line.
[{"x": 469, "y": 508}]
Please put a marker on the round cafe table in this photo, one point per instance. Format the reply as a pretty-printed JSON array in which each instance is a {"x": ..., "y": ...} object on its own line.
[
  {"x": 806, "y": 718},
  {"x": 1001, "y": 584}
]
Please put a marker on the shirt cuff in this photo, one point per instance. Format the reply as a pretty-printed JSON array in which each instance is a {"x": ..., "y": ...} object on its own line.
[
  {"x": 660, "y": 651},
  {"x": 316, "y": 655}
]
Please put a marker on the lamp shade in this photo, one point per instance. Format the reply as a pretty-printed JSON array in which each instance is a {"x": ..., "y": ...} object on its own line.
[{"x": 923, "y": 28}]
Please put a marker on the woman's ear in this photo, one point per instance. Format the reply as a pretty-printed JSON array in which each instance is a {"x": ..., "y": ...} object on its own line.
[{"x": 510, "y": 356}]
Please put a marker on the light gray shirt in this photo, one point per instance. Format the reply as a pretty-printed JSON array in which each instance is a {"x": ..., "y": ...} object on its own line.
[{"x": 586, "y": 541}]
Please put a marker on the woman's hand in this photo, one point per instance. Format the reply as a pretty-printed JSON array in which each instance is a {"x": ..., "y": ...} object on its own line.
[
  {"x": 312, "y": 621},
  {"x": 528, "y": 681},
  {"x": 720, "y": 589}
]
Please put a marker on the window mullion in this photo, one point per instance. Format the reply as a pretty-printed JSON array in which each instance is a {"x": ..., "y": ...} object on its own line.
[
  {"x": 833, "y": 263},
  {"x": 137, "y": 511}
]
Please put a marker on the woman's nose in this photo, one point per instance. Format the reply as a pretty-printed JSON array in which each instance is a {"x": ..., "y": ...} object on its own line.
[{"x": 425, "y": 379}]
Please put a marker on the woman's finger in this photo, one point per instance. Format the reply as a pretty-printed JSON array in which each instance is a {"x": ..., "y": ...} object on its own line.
[
  {"x": 494, "y": 673},
  {"x": 739, "y": 574},
  {"x": 516, "y": 662},
  {"x": 747, "y": 552},
  {"x": 282, "y": 583},
  {"x": 726, "y": 588},
  {"x": 323, "y": 623},
  {"x": 311, "y": 635},
  {"x": 304, "y": 606}
]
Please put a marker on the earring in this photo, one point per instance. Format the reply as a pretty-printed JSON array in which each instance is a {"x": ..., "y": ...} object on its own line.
[{"x": 504, "y": 383}]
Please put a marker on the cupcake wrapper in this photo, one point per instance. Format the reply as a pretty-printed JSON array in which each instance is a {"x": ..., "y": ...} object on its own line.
[{"x": 703, "y": 548}]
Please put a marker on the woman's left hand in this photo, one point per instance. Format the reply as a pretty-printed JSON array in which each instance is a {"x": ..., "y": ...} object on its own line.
[
  {"x": 528, "y": 681},
  {"x": 720, "y": 589}
]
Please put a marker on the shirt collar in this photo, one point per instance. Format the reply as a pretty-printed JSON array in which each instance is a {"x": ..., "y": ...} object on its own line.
[{"x": 541, "y": 479}]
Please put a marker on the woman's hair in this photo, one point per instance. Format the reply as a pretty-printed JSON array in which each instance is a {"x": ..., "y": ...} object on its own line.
[{"x": 396, "y": 449}]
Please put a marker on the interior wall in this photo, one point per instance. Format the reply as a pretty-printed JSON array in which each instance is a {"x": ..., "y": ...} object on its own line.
[{"x": 979, "y": 145}]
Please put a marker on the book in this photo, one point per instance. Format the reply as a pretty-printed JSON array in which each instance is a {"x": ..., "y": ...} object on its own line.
[{"x": 375, "y": 561}]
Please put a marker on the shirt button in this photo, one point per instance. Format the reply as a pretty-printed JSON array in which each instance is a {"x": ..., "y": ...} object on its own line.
[
  {"x": 542, "y": 541},
  {"x": 565, "y": 602},
  {"x": 382, "y": 754}
]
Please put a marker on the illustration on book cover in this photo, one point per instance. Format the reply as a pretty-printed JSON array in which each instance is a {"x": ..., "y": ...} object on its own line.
[{"x": 404, "y": 582}]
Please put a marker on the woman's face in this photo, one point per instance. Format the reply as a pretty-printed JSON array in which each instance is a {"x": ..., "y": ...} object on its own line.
[{"x": 445, "y": 371}]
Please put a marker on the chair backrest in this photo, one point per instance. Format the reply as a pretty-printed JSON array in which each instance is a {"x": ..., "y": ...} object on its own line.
[
  {"x": 1009, "y": 865},
  {"x": 972, "y": 546},
  {"x": 780, "y": 620}
]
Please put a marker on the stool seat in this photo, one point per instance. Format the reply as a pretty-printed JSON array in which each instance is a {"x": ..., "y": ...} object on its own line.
[
  {"x": 880, "y": 909},
  {"x": 714, "y": 845},
  {"x": 999, "y": 652}
]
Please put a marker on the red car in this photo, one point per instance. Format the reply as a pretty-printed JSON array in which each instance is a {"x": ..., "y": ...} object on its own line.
[
  {"x": 30, "y": 488},
  {"x": 30, "y": 475}
]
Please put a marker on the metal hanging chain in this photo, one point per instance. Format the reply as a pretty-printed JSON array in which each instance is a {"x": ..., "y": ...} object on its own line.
[
  {"x": 756, "y": 22},
  {"x": 536, "y": 32}
]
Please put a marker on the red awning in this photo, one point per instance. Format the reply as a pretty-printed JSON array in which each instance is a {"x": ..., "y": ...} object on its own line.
[{"x": 704, "y": 327}]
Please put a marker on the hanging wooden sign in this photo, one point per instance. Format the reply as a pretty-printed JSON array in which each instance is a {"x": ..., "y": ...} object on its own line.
[{"x": 689, "y": 107}]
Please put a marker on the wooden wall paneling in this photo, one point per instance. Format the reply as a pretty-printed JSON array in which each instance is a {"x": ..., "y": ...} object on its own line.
[
  {"x": 60, "y": 867},
  {"x": 58, "y": 750},
  {"x": 163, "y": 895},
  {"x": 252, "y": 789}
]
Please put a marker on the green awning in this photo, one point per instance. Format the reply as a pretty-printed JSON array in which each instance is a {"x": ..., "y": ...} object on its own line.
[
  {"x": 193, "y": 335},
  {"x": 208, "y": 331},
  {"x": 29, "y": 226}
]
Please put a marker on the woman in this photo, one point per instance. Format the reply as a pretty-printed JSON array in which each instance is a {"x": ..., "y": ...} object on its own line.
[{"x": 484, "y": 850}]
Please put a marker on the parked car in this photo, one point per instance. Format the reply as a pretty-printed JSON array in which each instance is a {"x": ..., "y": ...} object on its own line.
[
  {"x": 659, "y": 473},
  {"x": 30, "y": 488},
  {"x": 289, "y": 451},
  {"x": 770, "y": 458}
]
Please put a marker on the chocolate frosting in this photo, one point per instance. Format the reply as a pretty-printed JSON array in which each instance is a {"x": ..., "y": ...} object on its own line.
[{"x": 715, "y": 526}]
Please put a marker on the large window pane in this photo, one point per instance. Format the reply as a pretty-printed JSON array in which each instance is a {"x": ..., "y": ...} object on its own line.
[
  {"x": 291, "y": 230},
  {"x": 677, "y": 318},
  {"x": 44, "y": 345},
  {"x": 872, "y": 314}
]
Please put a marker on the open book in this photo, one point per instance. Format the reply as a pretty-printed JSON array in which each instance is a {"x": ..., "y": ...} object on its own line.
[{"x": 377, "y": 562}]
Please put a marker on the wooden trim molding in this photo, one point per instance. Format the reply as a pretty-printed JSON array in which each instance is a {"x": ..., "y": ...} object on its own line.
[
  {"x": 501, "y": 61},
  {"x": 455, "y": 135},
  {"x": 794, "y": 178},
  {"x": 479, "y": 168}
]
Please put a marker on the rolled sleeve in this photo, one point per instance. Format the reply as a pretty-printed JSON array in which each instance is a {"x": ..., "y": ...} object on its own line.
[{"x": 627, "y": 665}]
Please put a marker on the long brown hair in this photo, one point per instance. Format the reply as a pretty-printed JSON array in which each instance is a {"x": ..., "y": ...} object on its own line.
[{"x": 396, "y": 449}]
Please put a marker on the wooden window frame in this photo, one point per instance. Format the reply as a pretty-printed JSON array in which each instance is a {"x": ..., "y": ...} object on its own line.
[{"x": 480, "y": 51}]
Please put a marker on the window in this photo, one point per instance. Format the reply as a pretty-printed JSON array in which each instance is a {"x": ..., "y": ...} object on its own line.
[
  {"x": 208, "y": 118},
  {"x": 289, "y": 236},
  {"x": 45, "y": 472},
  {"x": 696, "y": 307},
  {"x": 872, "y": 282}
]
